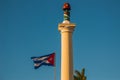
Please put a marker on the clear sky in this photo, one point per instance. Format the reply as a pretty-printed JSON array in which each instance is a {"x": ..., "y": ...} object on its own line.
[{"x": 30, "y": 28}]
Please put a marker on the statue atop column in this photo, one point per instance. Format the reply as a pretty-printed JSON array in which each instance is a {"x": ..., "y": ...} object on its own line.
[{"x": 66, "y": 9}]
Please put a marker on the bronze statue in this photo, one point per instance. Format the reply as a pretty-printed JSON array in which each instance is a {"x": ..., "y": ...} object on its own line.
[{"x": 66, "y": 9}]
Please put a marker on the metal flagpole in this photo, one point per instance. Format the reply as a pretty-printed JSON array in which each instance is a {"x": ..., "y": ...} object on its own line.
[
  {"x": 55, "y": 73},
  {"x": 55, "y": 67}
]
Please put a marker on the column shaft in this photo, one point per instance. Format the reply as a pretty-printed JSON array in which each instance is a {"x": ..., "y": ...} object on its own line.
[{"x": 66, "y": 56}]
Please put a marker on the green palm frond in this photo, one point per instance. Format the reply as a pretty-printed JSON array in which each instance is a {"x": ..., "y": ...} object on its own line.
[
  {"x": 80, "y": 75},
  {"x": 75, "y": 77}
]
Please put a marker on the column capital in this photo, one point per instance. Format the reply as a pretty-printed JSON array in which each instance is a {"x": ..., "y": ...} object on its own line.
[{"x": 63, "y": 27}]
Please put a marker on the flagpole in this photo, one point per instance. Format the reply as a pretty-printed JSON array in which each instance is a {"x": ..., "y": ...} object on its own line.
[
  {"x": 54, "y": 73},
  {"x": 55, "y": 68}
]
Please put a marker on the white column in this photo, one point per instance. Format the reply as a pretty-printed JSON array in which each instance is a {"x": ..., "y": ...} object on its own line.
[{"x": 66, "y": 51}]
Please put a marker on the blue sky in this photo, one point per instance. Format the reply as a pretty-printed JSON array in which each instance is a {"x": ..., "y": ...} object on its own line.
[{"x": 30, "y": 28}]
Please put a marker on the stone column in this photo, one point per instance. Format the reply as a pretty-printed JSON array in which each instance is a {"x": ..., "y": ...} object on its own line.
[{"x": 66, "y": 30}]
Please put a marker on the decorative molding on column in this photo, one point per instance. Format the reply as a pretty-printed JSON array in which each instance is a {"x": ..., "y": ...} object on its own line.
[{"x": 63, "y": 27}]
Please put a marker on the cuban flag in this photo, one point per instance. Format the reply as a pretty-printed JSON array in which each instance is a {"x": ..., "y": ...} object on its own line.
[{"x": 48, "y": 60}]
